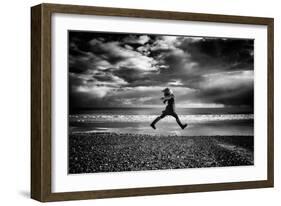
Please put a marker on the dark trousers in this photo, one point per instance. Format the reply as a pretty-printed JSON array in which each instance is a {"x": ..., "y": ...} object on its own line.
[{"x": 164, "y": 115}]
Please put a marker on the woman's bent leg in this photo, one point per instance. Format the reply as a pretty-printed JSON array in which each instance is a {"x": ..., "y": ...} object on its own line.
[
  {"x": 178, "y": 121},
  {"x": 156, "y": 120}
]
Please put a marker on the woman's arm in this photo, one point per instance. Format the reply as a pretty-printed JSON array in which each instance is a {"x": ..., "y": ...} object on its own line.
[{"x": 167, "y": 97}]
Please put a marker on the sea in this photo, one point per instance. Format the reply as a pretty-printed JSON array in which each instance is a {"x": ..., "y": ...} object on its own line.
[{"x": 201, "y": 121}]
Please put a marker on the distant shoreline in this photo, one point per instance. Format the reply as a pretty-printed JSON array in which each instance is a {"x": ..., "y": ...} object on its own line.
[{"x": 113, "y": 152}]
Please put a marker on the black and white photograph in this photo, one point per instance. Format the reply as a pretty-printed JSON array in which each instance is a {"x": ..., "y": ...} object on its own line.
[{"x": 153, "y": 101}]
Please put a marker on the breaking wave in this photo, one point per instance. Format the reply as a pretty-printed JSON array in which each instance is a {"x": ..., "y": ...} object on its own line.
[{"x": 92, "y": 118}]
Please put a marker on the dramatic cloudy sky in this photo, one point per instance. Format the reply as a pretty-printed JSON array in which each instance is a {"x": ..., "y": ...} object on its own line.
[{"x": 128, "y": 70}]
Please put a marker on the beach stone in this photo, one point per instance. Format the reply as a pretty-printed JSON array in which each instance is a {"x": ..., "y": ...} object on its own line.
[{"x": 100, "y": 152}]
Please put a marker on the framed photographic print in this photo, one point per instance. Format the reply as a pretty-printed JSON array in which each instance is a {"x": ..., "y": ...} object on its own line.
[{"x": 132, "y": 102}]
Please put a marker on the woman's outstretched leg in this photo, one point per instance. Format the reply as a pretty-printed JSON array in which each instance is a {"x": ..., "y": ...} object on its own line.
[
  {"x": 156, "y": 120},
  {"x": 179, "y": 122}
]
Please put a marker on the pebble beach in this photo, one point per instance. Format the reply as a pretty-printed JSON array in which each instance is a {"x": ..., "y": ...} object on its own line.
[{"x": 113, "y": 152}]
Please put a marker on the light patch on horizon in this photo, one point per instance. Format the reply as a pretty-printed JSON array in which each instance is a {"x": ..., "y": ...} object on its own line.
[
  {"x": 200, "y": 105},
  {"x": 100, "y": 93},
  {"x": 228, "y": 79},
  {"x": 175, "y": 83}
]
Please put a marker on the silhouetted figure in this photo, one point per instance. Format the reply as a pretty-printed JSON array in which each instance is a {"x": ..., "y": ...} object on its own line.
[{"x": 168, "y": 98}]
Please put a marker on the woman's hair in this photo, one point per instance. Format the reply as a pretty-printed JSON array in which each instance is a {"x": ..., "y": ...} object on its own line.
[{"x": 167, "y": 91}]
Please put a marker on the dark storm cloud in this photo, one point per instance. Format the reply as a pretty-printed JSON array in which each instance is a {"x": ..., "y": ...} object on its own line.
[
  {"x": 108, "y": 69},
  {"x": 225, "y": 54}
]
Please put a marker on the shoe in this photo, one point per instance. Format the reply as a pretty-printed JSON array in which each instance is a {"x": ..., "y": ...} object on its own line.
[
  {"x": 184, "y": 126},
  {"x": 153, "y": 126}
]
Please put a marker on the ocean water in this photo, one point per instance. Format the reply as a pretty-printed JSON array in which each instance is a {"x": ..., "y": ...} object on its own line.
[{"x": 201, "y": 121}]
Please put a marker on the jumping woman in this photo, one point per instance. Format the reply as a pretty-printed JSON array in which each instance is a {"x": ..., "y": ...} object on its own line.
[{"x": 168, "y": 98}]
